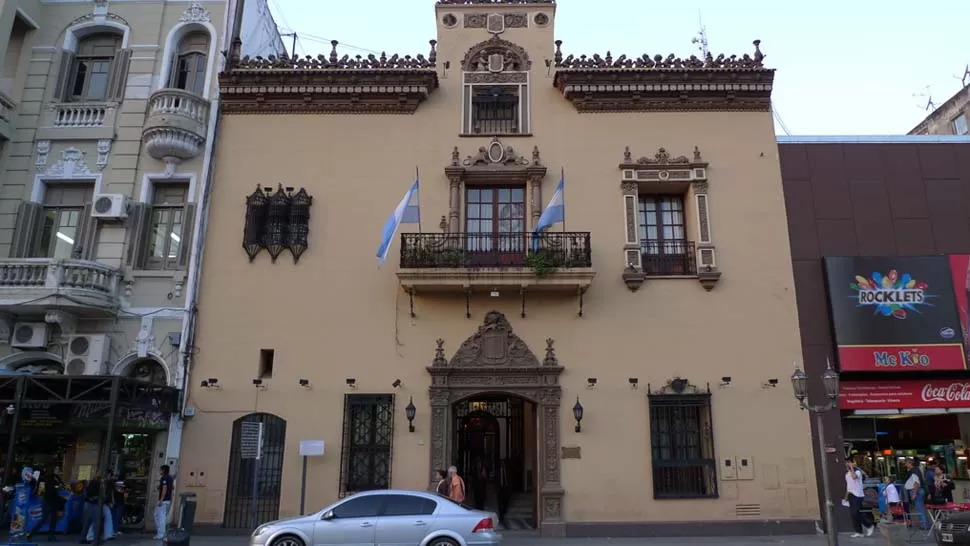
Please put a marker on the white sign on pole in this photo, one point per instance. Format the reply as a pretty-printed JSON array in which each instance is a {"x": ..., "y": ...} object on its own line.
[{"x": 311, "y": 448}]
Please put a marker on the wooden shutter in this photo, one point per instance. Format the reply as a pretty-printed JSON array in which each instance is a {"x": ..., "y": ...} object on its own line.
[
  {"x": 172, "y": 72},
  {"x": 30, "y": 221},
  {"x": 65, "y": 75},
  {"x": 87, "y": 240},
  {"x": 188, "y": 228},
  {"x": 139, "y": 218},
  {"x": 118, "y": 75}
]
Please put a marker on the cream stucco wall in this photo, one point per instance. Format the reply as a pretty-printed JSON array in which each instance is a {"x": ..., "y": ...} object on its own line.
[{"x": 337, "y": 315}]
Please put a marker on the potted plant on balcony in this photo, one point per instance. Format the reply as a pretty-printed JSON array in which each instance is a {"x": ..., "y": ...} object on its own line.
[{"x": 542, "y": 262}]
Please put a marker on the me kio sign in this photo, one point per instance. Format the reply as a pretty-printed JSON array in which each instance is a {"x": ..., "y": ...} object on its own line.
[
  {"x": 898, "y": 313},
  {"x": 908, "y": 394}
]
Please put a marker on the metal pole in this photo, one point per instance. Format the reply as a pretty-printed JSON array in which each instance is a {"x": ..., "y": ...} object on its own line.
[
  {"x": 14, "y": 421},
  {"x": 831, "y": 532},
  {"x": 255, "y": 492},
  {"x": 105, "y": 455},
  {"x": 303, "y": 488}
]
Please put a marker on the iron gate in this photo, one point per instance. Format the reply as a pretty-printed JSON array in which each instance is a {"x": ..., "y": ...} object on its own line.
[
  {"x": 239, "y": 490},
  {"x": 510, "y": 410}
]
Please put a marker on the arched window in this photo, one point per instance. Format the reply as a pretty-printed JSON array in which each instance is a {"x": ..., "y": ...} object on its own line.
[
  {"x": 188, "y": 73},
  {"x": 96, "y": 71}
]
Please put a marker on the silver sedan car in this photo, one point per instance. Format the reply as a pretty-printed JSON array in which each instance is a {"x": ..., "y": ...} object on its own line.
[{"x": 387, "y": 517}]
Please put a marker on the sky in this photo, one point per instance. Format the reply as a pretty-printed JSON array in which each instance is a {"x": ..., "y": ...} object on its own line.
[{"x": 848, "y": 67}]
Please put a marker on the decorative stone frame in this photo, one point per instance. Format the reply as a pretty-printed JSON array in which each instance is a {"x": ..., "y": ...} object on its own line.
[
  {"x": 195, "y": 18},
  {"x": 494, "y": 164},
  {"x": 664, "y": 173},
  {"x": 496, "y": 62},
  {"x": 495, "y": 359}
]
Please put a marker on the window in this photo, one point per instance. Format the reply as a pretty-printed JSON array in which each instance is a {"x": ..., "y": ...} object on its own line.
[
  {"x": 495, "y": 225},
  {"x": 960, "y": 126},
  {"x": 365, "y": 459},
  {"x": 92, "y": 67},
  {"x": 190, "y": 63},
  {"x": 495, "y": 109},
  {"x": 167, "y": 226},
  {"x": 368, "y": 506},
  {"x": 277, "y": 221},
  {"x": 663, "y": 237},
  {"x": 65, "y": 210},
  {"x": 682, "y": 446},
  {"x": 408, "y": 505},
  {"x": 266, "y": 358}
]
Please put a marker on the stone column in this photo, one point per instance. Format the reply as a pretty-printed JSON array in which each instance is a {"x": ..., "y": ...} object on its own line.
[
  {"x": 454, "y": 206},
  {"x": 707, "y": 271},
  {"x": 550, "y": 517},
  {"x": 631, "y": 245},
  {"x": 439, "y": 430},
  {"x": 535, "y": 191}
]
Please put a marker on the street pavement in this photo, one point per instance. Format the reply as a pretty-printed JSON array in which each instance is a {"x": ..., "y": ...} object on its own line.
[{"x": 527, "y": 539}]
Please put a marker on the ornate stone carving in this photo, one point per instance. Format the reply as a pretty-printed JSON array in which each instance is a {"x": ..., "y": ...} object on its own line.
[
  {"x": 496, "y": 154},
  {"x": 494, "y": 344},
  {"x": 449, "y": 20},
  {"x": 195, "y": 13},
  {"x": 495, "y": 24},
  {"x": 496, "y": 77},
  {"x": 439, "y": 353},
  {"x": 516, "y": 20},
  {"x": 104, "y": 148},
  {"x": 43, "y": 148},
  {"x": 623, "y": 84},
  {"x": 513, "y": 57},
  {"x": 677, "y": 386},
  {"x": 71, "y": 164},
  {"x": 550, "y": 359},
  {"x": 541, "y": 19},
  {"x": 475, "y": 20},
  {"x": 337, "y": 62}
]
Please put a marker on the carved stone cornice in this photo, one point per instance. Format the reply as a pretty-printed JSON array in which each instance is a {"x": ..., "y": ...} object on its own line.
[
  {"x": 606, "y": 84},
  {"x": 328, "y": 85},
  {"x": 495, "y": 163},
  {"x": 664, "y": 169}
]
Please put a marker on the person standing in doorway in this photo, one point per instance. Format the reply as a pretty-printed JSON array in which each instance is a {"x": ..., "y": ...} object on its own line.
[
  {"x": 504, "y": 492},
  {"x": 854, "y": 494},
  {"x": 164, "y": 501},
  {"x": 456, "y": 491},
  {"x": 480, "y": 483}
]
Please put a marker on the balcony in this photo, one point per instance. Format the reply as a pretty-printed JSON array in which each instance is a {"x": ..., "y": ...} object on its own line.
[
  {"x": 176, "y": 126},
  {"x": 71, "y": 120},
  {"x": 676, "y": 258},
  {"x": 470, "y": 262},
  {"x": 37, "y": 285}
]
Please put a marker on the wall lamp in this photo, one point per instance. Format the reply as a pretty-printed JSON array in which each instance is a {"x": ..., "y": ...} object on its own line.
[
  {"x": 396, "y": 384},
  {"x": 305, "y": 383},
  {"x": 634, "y": 383},
  {"x": 258, "y": 383},
  {"x": 578, "y": 414},
  {"x": 11, "y": 409},
  {"x": 409, "y": 412},
  {"x": 351, "y": 382},
  {"x": 590, "y": 382},
  {"x": 211, "y": 383},
  {"x": 725, "y": 381},
  {"x": 770, "y": 384}
]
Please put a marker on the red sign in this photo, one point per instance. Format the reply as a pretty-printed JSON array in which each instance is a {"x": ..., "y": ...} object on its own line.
[
  {"x": 909, "y": 394},
  {"x": 901, "y": 358}
]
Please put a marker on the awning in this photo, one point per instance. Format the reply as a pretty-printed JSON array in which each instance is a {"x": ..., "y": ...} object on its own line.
[{"x": 905, "y": 397}]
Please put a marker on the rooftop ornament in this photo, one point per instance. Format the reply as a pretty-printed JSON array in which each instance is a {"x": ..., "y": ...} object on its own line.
[
  {"x": 670, "y": 62},
  {"x": 336, "y": 62}
]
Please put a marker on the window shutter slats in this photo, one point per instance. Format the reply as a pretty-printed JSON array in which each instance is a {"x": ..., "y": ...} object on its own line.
[
  {"x": 118, "y": 75},
  {"x": 139, "y": 216},
  {"x": 188, "y": 227},
  {"x": 84, "y": 247},
  {"x": 30, "y": 217},
  {"x": 65, "y": 73}
]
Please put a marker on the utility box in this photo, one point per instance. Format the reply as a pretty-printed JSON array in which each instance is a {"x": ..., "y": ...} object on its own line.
[
  {"x": 745, "y": 467},
  {"x": 729, "y": 471}
]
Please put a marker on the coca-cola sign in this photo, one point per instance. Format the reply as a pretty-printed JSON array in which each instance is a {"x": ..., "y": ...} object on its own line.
[{"x": 906, "y": 394}]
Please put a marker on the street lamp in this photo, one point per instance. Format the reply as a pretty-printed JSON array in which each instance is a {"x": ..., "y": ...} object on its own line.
[
  {"x": 799, "y": 384},
  {"x": 409, "y": 412}
]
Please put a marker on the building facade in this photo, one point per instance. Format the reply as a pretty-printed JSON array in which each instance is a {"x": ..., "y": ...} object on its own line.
[
  {"x": 950, "y": 118},
  {"x": 618, "y": 369},
  {"x": 880, "y": 238},
  {"x": 107, "y": 120}
]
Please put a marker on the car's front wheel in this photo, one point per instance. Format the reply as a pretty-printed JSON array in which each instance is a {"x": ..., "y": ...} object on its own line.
[
  {"x": 288, "y": 540},
  {"x": 443, "y": 541}
]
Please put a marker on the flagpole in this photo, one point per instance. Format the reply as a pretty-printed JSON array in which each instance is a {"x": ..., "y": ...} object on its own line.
[
  {"x": 562, "y": 178},
  {"x": 417, "y": 178}
]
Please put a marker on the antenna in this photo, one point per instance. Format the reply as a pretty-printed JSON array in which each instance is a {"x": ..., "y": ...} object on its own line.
[
  {"x": 930, "y": 105},
  {"x": 965, "y": 79},
  {"x": 294, "y": 36},
  {"x": 701, "y": 39},
  {"x": 781, "y": 122}
]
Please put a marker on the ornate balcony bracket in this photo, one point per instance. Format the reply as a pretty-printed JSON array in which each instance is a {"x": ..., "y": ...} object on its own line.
[
  {"x": 708, "y": 277},
  {"x": 633, "y": 278}
]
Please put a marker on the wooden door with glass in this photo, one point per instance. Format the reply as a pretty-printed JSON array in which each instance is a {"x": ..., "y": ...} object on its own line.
[{"x": 495, "y": 226}]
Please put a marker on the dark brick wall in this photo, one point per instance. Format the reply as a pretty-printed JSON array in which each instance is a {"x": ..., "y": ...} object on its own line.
[{"x": 865, "y": 200}]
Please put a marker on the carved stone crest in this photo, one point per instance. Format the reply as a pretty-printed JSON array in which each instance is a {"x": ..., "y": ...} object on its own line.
[
  {"x": 71, "y": 164},
  {"x": 494, "y": 344},
  {"x": 195, "y": 13},
  {"x": 514, "y": 57}
]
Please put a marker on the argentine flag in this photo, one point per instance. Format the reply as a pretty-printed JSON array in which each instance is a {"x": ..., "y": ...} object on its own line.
[
  {"x": 408, "y": 211},
  {"x": 554, "y": 213}
]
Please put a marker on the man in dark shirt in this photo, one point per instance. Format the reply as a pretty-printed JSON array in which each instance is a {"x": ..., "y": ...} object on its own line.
[
  {"x": 90, "y": 513},
  {"x": 165, "y": 483},
  {"x": 51, "y": 503}
]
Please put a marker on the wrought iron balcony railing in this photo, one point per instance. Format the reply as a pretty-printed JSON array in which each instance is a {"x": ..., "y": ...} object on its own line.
[
  {"x": 547, "y": 250},
  {"x": 668, "y": 258}
]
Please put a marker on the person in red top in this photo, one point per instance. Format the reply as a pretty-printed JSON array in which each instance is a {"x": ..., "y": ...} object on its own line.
[{"x": 457, "y": 489}]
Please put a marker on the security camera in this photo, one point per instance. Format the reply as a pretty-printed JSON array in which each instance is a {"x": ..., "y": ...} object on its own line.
[
  {"x": 305, "y": 383},
  {"x": 396, "y": 383}
]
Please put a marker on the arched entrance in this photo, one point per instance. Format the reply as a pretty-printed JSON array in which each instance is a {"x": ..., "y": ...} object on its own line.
[
  {"x": 494, "y": 373},
  {"x": 255, "y": 484},
  {"x": 36, "y": 362}
]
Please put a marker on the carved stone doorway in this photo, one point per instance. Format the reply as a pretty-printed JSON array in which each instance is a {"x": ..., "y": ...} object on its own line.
[{"x": 496, "y": 361}]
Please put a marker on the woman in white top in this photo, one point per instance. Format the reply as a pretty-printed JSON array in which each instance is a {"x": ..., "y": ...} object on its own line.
[
  {"x": 854, "y": 494},
  {"x": 892, "y": 497}
]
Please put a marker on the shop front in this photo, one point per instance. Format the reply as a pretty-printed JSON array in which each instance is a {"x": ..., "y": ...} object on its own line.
[{"x": 81, "y": 427}]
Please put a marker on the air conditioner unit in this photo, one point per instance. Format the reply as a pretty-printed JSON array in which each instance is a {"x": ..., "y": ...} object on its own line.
[
  {"x": 110, "y": 206},
  {"x": 29, "y": 335},
  {"x": 87, "y": 355}
]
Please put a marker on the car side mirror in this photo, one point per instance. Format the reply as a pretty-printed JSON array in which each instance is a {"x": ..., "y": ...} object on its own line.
[{"x": 328, "y": 515}]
